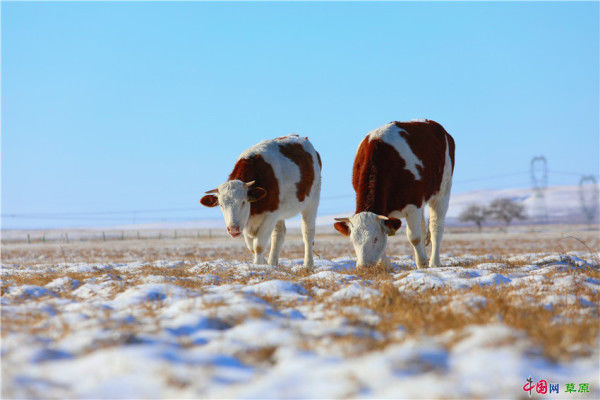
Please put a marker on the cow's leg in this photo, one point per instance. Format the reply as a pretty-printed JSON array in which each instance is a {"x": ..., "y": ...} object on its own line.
[
  {"x": 277, "y": 239},
  {"x": 413, "y": 232},
  {"x": 309, "y": 216},
  {"x": 261, "y": 241},
  {"x": 426, "y": 237},
  {"x": 437, "y": 213},
  {"x": 249, "y": 243},
  {"x": 438, "y": 206}
]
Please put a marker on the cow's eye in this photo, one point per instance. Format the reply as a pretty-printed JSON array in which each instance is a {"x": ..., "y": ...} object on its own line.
[
  {"x": 375, "y": 240},
  {"x": 244, "y": 202}
]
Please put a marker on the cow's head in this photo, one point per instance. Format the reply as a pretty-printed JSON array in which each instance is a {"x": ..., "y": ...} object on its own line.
[
  {"x": 368, "y": 232},
  {"x": 234, "y": 197}
]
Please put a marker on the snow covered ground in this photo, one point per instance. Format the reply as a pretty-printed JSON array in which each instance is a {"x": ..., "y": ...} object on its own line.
[{"x": 210, "y": 324}]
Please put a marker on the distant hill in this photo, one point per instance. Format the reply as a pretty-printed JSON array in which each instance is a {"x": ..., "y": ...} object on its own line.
[{"x": 562, "y": 205}]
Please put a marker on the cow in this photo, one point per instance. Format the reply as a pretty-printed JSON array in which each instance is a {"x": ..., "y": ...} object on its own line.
[
  {"x": 398, "y": 169},
  {"x": 271, "y": 181}
]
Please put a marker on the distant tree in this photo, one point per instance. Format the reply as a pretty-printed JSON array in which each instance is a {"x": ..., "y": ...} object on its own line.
[
  {"x": 505, "y": 210},
  {"x": 474, "y": 213}
]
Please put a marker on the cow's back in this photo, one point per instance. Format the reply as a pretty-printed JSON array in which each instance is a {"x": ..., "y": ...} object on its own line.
[
  {"x": 287, "y": 167},
  {"x": 399, "y": 164}
]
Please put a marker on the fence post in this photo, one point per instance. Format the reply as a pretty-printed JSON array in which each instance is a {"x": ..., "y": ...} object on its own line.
[
  {"x": 175, "y": 235},
  {"x": 67, "y": 237},
  {"x": 103, "y": 236},
  {"x": 138, "y": 235},
  {"x": 122, "y": 235},
  {"x": 28, "y": 238}
]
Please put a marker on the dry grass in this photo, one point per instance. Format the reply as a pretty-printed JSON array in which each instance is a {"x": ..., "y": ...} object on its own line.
[
  {"x": 195, "y": 250},
  {"x": 426, "y": 312},
  {"x": 175, "y": 381},
  {"x": 32, "y": 323},
  {"x": 39, "y": 279},
  {"x": 377, "y": 273},
  {"x": 422, "y": 313},
  {"x": 258, "y": 355},
  {"x": 430, "y": 312}
]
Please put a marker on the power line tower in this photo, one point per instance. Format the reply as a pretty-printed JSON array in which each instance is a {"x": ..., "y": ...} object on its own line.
[
  {"x": 588, "y": 197},
  {"x": 539, "y": 183}
]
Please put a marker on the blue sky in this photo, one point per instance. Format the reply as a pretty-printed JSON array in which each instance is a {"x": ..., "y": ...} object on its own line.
[{"x": 143, "y": 106}]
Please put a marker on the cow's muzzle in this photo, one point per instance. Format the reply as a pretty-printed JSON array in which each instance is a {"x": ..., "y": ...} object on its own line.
[{"x": 234, "y": 231}]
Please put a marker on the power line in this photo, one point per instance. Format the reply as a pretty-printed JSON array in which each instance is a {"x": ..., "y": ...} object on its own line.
[
  {"x": 491, "y": 177},
  {"x": 571, "y": 173},
  {"x": 516, "y": 174},
  {"x": 83, "y": 218},
  {"x": 101, "y": 215},
  {"x": 65, "y": 214},
  {"x": 85, "y": 215}
]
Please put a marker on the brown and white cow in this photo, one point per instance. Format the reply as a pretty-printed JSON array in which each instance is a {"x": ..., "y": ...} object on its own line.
[
  {"x": 271, "y": 181},
  {"x": 398, "y": 169}
]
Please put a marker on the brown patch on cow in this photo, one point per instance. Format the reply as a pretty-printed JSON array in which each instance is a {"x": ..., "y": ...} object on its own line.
[
  {"x": 428, "y": 141},
  {"x": 255, "y": 168},
  {"x": 255, "y": 193},
  {"x": 380, "y": 179},
  {"x": 319, "y": 160},
  {"x": 304, "y": 161},
  {"x": 259, "y": 250}
]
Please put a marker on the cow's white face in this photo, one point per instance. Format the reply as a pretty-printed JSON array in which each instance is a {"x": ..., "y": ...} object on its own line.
[
  {"x": 234, "y": 197},
  {"x": 368, "y": 233}
]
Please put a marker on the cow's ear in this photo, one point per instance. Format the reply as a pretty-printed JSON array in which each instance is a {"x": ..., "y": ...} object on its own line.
[
  {"x": 210, "y": 200},
  {"x": 342, "y": 227},
  {"x": 256, "y": 193},
  {"x": 391, "y": 225}
]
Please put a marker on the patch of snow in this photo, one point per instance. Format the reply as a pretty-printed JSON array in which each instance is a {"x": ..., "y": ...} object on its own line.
[
  {"x": 490, "y": 266},
  {"x": 283, "y": 290},
  {"x": 354, "y": 290},
  {"x": 493, "y": 279},
  {"x": 30, "y": 291},
  {"x": 148, "y": 293},
  {"x": 63, "y": 284}
]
